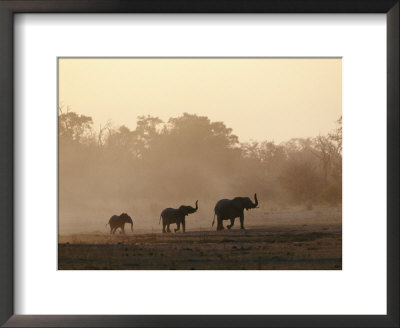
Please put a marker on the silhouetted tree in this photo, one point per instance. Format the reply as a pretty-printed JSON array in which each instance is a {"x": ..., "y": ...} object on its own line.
[{"x": 190, "y": 156}]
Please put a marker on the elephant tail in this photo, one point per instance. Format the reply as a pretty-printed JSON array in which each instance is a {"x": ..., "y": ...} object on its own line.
[
  {"x": 107, "y": 224},
  {"x": 213, "y": 220}
]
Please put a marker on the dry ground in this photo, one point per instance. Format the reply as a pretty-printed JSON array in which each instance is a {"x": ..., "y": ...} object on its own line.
[{"x": 266, "y": 247}]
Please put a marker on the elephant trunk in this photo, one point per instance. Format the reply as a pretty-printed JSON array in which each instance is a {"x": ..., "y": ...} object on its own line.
[
  {"x": 132, "y": 226},
  {"x": 196, "y": 205},
  {"x": 256, "y": 200}
]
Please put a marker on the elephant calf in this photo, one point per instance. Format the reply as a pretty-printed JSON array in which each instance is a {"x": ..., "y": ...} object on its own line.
[
  {"x": 176, "y": 215},
  {"x": 118, "y": 221}
]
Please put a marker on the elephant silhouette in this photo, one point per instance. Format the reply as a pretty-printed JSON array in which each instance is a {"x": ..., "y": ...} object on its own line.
[
  {"x": 118, "y": 221},
  {"x": 229, "y": 209},
  {"x": 176, "y": 215}
]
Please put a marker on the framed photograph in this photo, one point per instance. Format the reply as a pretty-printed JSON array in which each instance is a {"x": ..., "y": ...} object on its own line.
[
  {"x": 199, "y": 164},
  {"x": 179, "y": 167}
]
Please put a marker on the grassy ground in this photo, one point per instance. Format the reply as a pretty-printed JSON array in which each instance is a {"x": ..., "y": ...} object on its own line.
[{"x": 281, "y": 247}]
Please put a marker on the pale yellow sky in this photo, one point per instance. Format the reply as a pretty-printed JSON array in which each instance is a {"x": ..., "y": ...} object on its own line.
[{"x": 260, "y": 99}]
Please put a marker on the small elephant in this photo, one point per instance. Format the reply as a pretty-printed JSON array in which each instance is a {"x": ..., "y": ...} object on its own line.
[
  {"x": 176, "y": 215},
  {"x": 229, "y": 209},
  {"x": 118, "y": 221}
]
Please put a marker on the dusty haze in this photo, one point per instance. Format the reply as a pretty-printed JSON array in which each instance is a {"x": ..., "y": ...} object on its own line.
[{"x": 140, "y": 135}]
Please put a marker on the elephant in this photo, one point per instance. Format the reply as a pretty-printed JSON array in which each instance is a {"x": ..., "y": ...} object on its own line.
[
  {"x": 176, "y": 215},
  {"x": 229, "y": 209},
  {"x": 118, "y": 221}
]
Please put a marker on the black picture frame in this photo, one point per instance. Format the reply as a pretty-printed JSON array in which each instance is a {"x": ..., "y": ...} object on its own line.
[{"x": 10, "y": 7}]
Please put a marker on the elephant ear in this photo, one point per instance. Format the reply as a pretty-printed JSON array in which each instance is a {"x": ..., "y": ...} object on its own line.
[
  {"x": 185, "y": 210},
  {"x": 239, "y": 203}
]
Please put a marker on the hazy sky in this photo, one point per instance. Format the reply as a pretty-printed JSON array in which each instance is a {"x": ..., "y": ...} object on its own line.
[{"x": 260, "y": 99}]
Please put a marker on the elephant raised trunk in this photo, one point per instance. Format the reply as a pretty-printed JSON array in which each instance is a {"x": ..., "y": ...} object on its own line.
[
  {"x": 132, "y": 226},
  {"x": 256, "y": 201},
  {"x": 230, "y": 209},
  {"x": 176, "y": 215}
]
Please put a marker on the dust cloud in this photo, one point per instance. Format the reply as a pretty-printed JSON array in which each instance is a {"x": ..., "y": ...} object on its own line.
[{"x": 113, "y": 169}]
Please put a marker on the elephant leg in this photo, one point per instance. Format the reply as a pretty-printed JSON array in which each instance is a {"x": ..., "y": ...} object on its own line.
[
  {"x": 163, "y": 227},
  {"x": 183, "y": 225},
  {"x": 220, "y": 225},
  {"x": 168, "y": 230},
  {"x": 123, "y": 229},
  {"x": 178, "y": 226},
  {"x": 231, "y": 225},
  {"x": 113, "y": 230},
  {"x": 241, "y": 222}
]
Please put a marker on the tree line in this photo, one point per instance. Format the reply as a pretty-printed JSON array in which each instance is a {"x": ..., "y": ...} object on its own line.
[{"x": 190, "y": 157}]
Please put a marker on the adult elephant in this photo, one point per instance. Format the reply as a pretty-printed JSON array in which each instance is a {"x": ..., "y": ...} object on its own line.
[
  {"x": 230, "y": 209},
  {"x": 118, "y": 221},
  {"x": 176, "y": 215}
]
